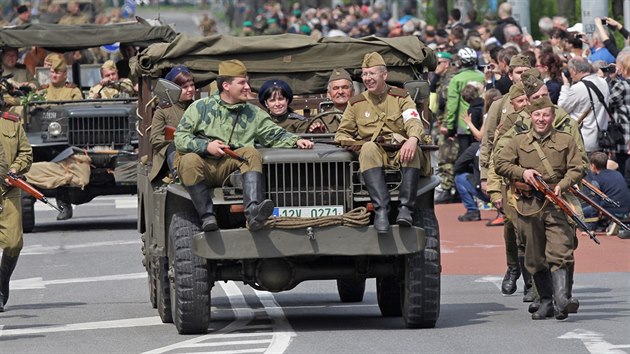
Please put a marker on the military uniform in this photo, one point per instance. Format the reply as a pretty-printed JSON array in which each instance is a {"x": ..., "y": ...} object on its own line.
[
  {"x": 291, "y": 122},
  {"x": 73, "y": 19},
  {"x": 389, "y": 115},
  {"x": 548, "y": 233},
  {"x": 169, "y": 116},
  {"x": 112, "y": 91},
  {"x": 330, "y": 120},
  {"x": 67, "y": 92},
  {"x": 19, "y": 157}
]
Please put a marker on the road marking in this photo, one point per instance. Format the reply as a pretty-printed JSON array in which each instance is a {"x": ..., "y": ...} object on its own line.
[
  {"x": 594, "y": 343},
  {"x": 119, "y": 202},
  {"x": 131, "y": 322},
  {"x": 39, "y": 249},
  {"x": 282, "y": 331},
  {"x": 39, "y": 283},
  {"x": 491, "y": 279}
]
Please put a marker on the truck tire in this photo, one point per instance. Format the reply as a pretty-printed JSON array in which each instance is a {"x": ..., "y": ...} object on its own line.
[
  {"x": 388, "y": 296},
  {"x": 351, "y": 290},
  {"x": 163, "y": 291},
  {"x": 152, "y": 288},
  {"x": 190, "y": 289},
  {"x": 28, "y": 213},
  {"x": 421, "y": 294}
]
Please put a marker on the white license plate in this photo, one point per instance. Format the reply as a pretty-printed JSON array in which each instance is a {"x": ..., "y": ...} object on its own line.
[{"x": 308, "y": 212}]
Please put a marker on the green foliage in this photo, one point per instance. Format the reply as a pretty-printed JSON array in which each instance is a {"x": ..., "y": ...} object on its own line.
[{"x": 32, "y": 96}]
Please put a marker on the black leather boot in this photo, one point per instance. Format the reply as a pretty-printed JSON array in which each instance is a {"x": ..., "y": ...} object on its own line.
[
  {"x": 574, "y": 304},
  {"x": 528, "y": 291},
  {"x": 407, "y": 195},
  {"x": 200, "y": 197},
  {"x": 257, "y": 209},
  {"x": 7, "y": 265},
  {"x": 545, "y": 291},
  {"x": 559, "y": 278},
  {"x": 375, "y": 182},
  {"x": 508, "y": 286},
  {"x": 66, "y": 210}
]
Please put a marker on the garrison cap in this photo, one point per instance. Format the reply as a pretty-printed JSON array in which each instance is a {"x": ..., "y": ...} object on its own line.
[
  {"x": 516, "y": 91},
  {"x": 232, "y": 68},
  {"x": 339, "y": 74},
  {"x": 372, "y": 59},
  {"x": 540, "y": 103},
  {"x": 531, "y": 82},
  {"x": 49, "y": 59},
  {"x": 520, "y": 60},
  {"x": 444, "y": 55},
  {"x": 58, "y": 63},
  {"x": 172, "y": 74},
  {"x": 109, "y": 64}
]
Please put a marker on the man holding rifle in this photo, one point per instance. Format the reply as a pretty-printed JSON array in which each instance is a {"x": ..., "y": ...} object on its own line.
[
  {"x": 554, "y": 156},
  {"x": 19, "y": 157},
  {"x": 389, "y": 113},
  {"x": 213, "y": 126}
]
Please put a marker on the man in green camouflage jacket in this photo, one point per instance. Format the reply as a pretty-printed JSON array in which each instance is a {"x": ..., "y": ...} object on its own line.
[{"x": 225, "y": 120}]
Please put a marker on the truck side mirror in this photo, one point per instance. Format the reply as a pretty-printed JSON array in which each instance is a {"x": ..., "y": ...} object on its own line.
[{"x": 167, "y": 91}]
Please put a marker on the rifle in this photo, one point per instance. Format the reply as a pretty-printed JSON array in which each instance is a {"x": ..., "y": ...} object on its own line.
[
  {"x": 544, "y": 188},
  {"x": 14, "y": 181},
  {"x": 385, "y": 146},
  {"x": 576, "y": 191},
  {"x": 169, "y": 134},
  {"x": 599, "y": 193}
]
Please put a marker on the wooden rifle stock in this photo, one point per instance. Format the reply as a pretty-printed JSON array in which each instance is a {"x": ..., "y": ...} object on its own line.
[
  {"x": 599, "y": 193},
  {"x": 543, "y": 187},
  {"x": 228, "y": 151},
  {"x": 15, "y": 181},
  {"x": 169, "y": 132},
  {"x": 385, "y": 146},
  {"x": 576, "y": 191}
]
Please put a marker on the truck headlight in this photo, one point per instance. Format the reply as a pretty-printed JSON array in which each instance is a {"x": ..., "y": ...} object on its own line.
[{"x": 54, "y": 129}]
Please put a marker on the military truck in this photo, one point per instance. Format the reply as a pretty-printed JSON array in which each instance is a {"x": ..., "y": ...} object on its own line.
[
  {"x": 183, "y": 263},
  {"x": 105, "y": 129}
]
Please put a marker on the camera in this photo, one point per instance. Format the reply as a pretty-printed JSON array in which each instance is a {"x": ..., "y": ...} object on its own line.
[
  {"x": 609, "y": 69},
  {"x": 567, "y": 75}
]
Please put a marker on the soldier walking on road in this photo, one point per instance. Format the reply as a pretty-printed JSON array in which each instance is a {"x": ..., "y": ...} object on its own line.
[
  {"x": 17, "y": 158},
  {"x": 555, "y": 156},
  {"x": 387, "y": 112},
  {"x": 225, "y": 120}
]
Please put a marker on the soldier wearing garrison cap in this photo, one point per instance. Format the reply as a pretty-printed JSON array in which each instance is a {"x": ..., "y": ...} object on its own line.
[
  {"x": 497, "y": 113},
  {"x": 549, "y": 237},
  {"x": 59, "y": 89},
  {"x": 226, "y": 120},
  {"x": 386, "y": 113},
  {"x": 111, "y": 86},
  {"x": 340, "y": 90}
]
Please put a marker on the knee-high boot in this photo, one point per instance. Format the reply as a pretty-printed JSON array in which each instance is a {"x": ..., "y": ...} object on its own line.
[
  {"x": 574, "y": 304},
  {"x": 561, "y": 302},
  {"x": 7, "y": 265},
  {"x": 528, "y": 291},
  {"x": 200, "y": 197},
  {"x": 375, "y": 182},
  {"x": 545, "y": 291},
  {"x": 407, "y": 195},
  {"x": 257, "y": 209}
]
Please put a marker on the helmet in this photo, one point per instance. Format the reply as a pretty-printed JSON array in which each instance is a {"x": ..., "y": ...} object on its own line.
[{"x": 467, "y": 56}]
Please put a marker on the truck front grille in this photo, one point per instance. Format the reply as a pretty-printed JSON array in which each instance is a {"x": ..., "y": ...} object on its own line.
[
  {"x": 299, "y": 184},
  {"x": 98, "y": 130}
]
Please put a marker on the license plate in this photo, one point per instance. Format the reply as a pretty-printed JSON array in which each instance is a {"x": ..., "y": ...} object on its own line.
[{"x": 308, "y": 212}]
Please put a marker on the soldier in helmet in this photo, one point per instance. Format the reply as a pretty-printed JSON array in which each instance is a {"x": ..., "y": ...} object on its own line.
[{"x": 388, "y": 113}]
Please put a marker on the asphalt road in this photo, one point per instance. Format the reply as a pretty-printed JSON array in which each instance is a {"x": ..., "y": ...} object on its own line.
[{"x": 80, "y": 288}]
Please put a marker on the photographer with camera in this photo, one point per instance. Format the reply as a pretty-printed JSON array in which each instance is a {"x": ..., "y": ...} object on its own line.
[
  {"x": 602, "y": 47},
  {"x": 612, "y": 24},
  {"x": 620, "y": 103}
]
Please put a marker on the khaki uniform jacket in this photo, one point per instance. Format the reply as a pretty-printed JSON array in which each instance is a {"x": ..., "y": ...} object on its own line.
[
  {"x": 17, "y": 150},
  {"x": 69, "y": 92},
  {"x": 109, "y": 92},
  {"x": 73, "y": 20},
  {"x": 163, "y": 116},
  {"x": 365, "y": 111},
  {"x": 496, "y": 113},
  {"x": 19, "y": 72},
  {"x": 561, "y": 151},
  {"x": 330, "y": 120},
  {"x": 291, "y": 122}
]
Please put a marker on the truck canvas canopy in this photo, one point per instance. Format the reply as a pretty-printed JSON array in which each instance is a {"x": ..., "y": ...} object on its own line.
[{"x": 299, "y": 60}]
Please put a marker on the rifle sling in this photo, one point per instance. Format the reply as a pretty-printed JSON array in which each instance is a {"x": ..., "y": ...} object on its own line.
[{"x": 544, "y": 160}]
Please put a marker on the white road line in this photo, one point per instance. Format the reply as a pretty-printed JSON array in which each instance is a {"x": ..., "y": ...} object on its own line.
[
  {"x": 594, "y": 343},
  {"x": 39, "y": 249},
  {"x": 282, "y": 330},
  {"x": 491, "y": 279},
  {"x": 119, "y": 202},
  {"x": 39, "y": 283},
  {"x": 131, "y": 322},
  {"x": 236, "y": 342}
]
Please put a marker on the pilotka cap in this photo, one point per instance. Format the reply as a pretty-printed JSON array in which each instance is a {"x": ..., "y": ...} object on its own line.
[
  {"x": 520, "y": 60},
  {"x": 109, "y": 65},
  {"x": 232, "y": 68},
  {"x": 339, "y": 74},
  {"x": 540, "y": 103},
  {"x": 372, "y": 59},
  {"x": 531, "y": 84},
  {"x": 58, "y": 63},
  {"x": 516, "y": 91}
]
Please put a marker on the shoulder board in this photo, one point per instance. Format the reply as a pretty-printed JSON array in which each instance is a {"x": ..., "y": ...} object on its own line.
[
  {"x": 398, "y": 92},
  {"x": 520, "y": 127},
  {"x": 10, "y": 116},
  {"x": 165, "y": 105},
  {"x": 356, "y": 99},
  {"x": 294, "y": 115},
  {"x": 70, "y": 85}
]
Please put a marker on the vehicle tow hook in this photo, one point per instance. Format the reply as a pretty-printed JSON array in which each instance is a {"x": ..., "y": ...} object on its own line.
[{"x": 309, "y": 233}]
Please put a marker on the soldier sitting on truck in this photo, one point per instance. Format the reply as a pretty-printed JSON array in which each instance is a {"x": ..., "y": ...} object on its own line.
[
  {"x": 384, "y": 113},
  {"x": 339, "y": 91},
  {"x": 163, "y": 149},
  {"x": 59, "y": 89},
  {"x": 223, "y": 121},
  {"x": 111, "y": 86}
]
